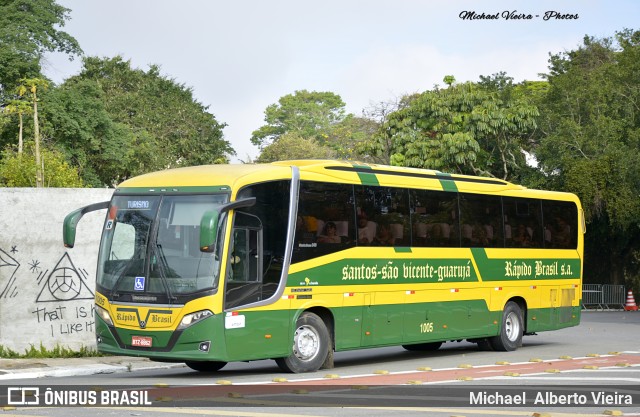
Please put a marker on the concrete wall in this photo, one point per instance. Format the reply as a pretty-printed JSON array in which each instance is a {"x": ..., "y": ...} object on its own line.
[{"x": 47, "y": 290}]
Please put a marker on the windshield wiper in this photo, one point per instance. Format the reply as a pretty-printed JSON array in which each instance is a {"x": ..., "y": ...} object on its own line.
[{"x": 163, "y": 268}]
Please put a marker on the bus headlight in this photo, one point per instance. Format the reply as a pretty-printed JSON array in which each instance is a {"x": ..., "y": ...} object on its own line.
[
  {"x": 192, "y": 318},
  {"x": 104, "y": 315}
]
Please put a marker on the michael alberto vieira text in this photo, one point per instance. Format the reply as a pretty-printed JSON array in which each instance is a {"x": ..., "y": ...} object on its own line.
[{"x": 550, "y": 398}]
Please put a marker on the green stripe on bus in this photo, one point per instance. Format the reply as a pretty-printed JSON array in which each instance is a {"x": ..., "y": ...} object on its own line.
[
  {"x": 402, "y": 249},
  {"x": 367, "y": 178},
  {"x": 447, "y": 185},
  {"x": 363, "y": 271}
]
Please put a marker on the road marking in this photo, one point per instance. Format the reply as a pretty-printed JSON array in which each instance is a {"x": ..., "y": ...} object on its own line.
[
  {"x": 462, "y": 411},
  {"x": 471, "y": 411},
  {"x": 559, "y": 378},
  {"x": 19, "y": 415},
  {"x": 198, "y": 411}
]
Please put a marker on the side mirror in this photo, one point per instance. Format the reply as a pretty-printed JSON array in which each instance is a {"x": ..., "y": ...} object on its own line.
[
  {"x": 210, "y": 220},
  {"x": 72, "y": 219},
  {"x": 208, "y": 230},
  {"x": 69, "y": 228}
]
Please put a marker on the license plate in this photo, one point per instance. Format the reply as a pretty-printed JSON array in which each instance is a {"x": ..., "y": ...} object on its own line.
[{"x": 141, "y": 341}]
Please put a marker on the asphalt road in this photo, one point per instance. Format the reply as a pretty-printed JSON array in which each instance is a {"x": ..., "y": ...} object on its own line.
[{"x": 597, "y": 362}]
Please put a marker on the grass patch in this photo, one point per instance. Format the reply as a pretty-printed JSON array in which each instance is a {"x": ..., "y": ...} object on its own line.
[{"x": 42, "y": 352}]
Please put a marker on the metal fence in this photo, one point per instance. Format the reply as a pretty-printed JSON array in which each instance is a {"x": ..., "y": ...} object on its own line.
[{"x": 603, "y": 296}]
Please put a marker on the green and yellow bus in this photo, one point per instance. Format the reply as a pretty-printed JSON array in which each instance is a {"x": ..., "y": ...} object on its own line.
[{"x": 296, "y": 260}]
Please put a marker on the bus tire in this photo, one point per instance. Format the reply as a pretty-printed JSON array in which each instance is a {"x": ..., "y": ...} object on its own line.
[
  {"x": 423, "y": 347},
  {"x": 205, "y": 366},
  {"x": 511, "y": 329},
  {"x": 311, "y": 344},
  {"x": 484, "y": 345}
]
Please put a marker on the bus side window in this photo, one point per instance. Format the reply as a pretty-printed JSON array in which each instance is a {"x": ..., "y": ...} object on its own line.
[
  {"x": 560, "y": 224},
  {"x": 434, "y": 219},
  {"x": 481, "y": 220},
  {"x": 524, "y": 218},
  {"x": 326, "y": 220},
  {"x": 383, "y": 216}
]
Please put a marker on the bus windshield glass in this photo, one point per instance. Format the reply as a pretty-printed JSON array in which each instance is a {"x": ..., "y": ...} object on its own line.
[{"x": 150, "y": 249}]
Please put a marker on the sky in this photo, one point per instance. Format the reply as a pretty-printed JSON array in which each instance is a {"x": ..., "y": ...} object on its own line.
[{"x": 240, "y": 56}]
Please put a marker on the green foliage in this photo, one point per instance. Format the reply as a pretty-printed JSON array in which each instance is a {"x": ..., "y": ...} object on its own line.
[
  {"x": 591, "y": 116},
  {"x": 19, "y": 170},
  {"x": 292, "y": 146},
  {"x": 449, "y": 79},
  {"x": 307, "y": 114},
  {"x": 466, "y": 128},
  {"x": 591, "y": 146},
  {"x": 348, "y": 138},
  {"x": 77, "y": 120},
  {"x": 18, "y": 106},
  {"x": 28, "y": 29},
  {"x": 57, "y": 352},
  {"x": 116, "y": 122}
]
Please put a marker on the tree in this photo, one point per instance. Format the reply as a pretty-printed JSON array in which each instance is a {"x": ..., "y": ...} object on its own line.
[
  {"x": 449, "y": 80},
  {"x": 465, "y": 128},
  {"x": 348, "y": 137},
  {"x": 18, "y": 169},
  {"x": 19, "y": 107},
  {"x": 144, "y": 122},
  {"x": 31, "y": 85},
  {"x": 590, "y": 145},
  {"x": 307, "y": 114},
  {"x": 77, "y": 121},
  {"x": 293, "y": 146},
  {"x": 378, "y": 146},
  {"x": 28, "y": 29}
]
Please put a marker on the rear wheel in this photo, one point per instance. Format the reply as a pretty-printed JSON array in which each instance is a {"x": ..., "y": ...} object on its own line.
[
  {"x": 311, "y": 344},
  {"x": 422, "y": 347},
  {"x": 206, "y": 366},
  {"x": 511, "y": 329}
]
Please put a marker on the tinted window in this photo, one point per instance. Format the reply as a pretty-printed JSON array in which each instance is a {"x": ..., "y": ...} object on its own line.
[
  {"x": 383, "y": 216},
  {"x": 326, "y": 220},
  {"x": 523, "y": 223},
  {"x": 560, "y": 224},
  {"x": 435, "y": 218},
  {"x": 480, "y": 218}
]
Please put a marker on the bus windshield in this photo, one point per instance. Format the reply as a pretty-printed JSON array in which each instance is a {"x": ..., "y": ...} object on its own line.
[{"x": 150, "y": 248}]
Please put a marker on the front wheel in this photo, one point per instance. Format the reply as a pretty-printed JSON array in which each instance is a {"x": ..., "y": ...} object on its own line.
[
  {"x": 511, "y": 329},
  {"x": 205, "y": 366},
  {"x": 311, "y": 344}
]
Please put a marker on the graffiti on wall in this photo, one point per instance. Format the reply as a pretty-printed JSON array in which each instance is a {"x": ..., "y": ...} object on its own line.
[
  {"x": 8, "y": 268},
  {"x": 63, "y": 300},
  {"x": 47, "y": 291},
  {"x": 64, "y": 283}
]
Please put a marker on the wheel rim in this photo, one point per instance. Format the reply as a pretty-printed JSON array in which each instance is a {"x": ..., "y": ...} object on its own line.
[
  {"x": 512, "y": 326},
  {"x": 306, "y": 343}
]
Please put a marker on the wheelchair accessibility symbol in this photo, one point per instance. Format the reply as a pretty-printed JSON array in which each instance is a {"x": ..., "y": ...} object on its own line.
[{"x": 138, "y": 284}]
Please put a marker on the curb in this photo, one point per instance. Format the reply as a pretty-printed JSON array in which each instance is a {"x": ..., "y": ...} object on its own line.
[{"x": 82, "y": 370}]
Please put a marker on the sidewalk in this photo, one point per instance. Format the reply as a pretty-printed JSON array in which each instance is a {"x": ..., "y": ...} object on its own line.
[{"x": 44, "y": 367}]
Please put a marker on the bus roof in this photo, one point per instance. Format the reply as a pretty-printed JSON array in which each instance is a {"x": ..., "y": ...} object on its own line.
[
  {"x": 232, "y": 176},
  {"x": 222, "y": 175}
]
